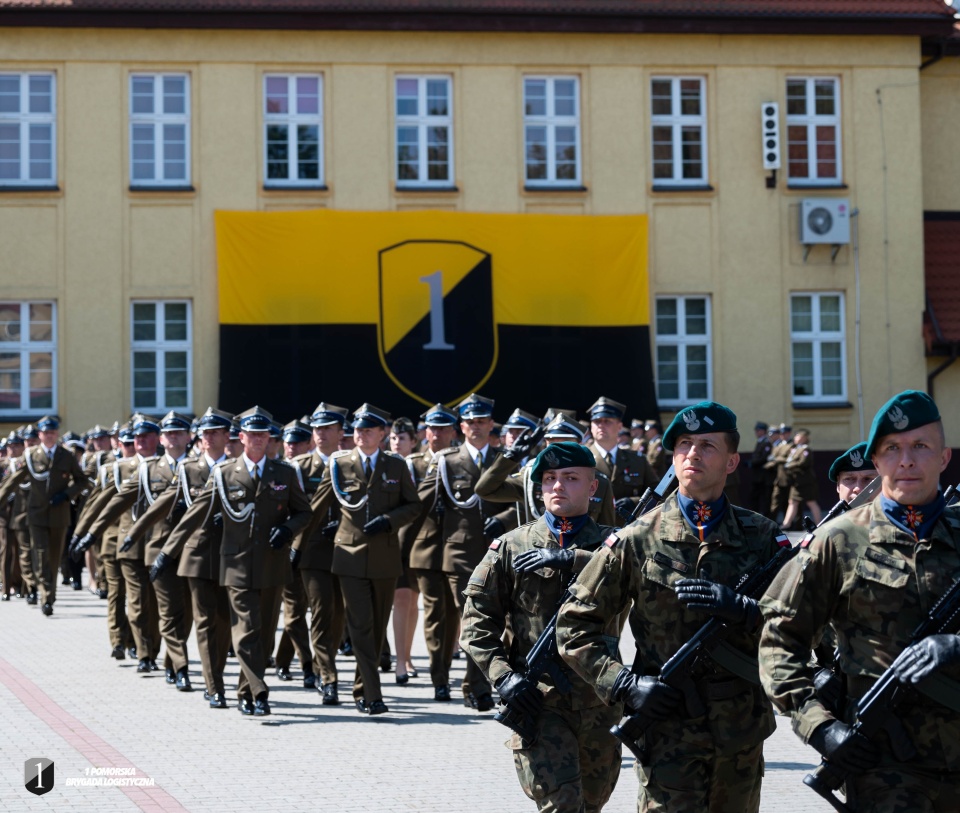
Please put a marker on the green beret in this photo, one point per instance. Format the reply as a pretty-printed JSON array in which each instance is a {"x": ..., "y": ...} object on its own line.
[
  {"x": 564, "y": 455},
  {"x": 700, "y": 419},
  {"x": 854, "y": 459},
  {"x": 911, "y": 409}
]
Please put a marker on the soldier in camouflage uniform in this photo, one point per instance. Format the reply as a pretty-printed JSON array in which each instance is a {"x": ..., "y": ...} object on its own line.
[
  {"x": 678, "y": 565},
  {"x": 574, "y": 762},
  {"x": 873, "y": 574}
]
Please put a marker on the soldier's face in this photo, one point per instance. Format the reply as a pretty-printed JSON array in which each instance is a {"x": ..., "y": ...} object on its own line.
[
  {"x": 910, "y": 464},
  {"x": 369, "y": 438},
  {"x": 477, "y": 431},
  {"x": 702, "y": 463},
  {"x": 440, "y": 437},
  {"x": 146, "y": 444},
  {"x": 175, "y": 442},
  {"x": 48, "y": 437},
  {"x": 14, "y": 449},
  {"x": 328, "y": 437},
  {"x": 510, "y": 435},
  {"x": 214, "y": 441},
  {"x": 233, "y": 449},
  {"x": 851, "y": 483},
  {"x": 401, "y": 444},
  {"x": 605, "y": 431},
  {"x": 567, "y": 492},
  {"x": 291, "y": 450},
  {"x": 102, "y": 444},
  {"x": 255, "y": 444}
]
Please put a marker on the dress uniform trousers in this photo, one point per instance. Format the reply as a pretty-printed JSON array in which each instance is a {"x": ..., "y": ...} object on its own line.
[
  {"x": 25, "y": 554},
  {"x": 327, "y": 619},
  {"x": 474, "y": 681},
  {"x": 251, "y": 612},
  {"x": 211, "y": 612},
  {"x": 141, "y": 608},
  {"x": 175, "y": 616},
  {"x": 47, "y": 547},
  {"x": 117, "y": 623},
  {"x": 296, "y": 634},
  {"x": 440, "y": 628},
  {"x": 9, "y": 561},
  {"x": 368, "y": 603}
]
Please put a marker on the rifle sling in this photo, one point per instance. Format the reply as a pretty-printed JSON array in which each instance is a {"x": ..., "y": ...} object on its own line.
[
  {"x": 942, "y": 690},
  {"x": 735, "y": 662}
]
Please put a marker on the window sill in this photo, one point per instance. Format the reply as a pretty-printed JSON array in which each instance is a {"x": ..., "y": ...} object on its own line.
[
  {"x": 27, "y": 188},
  {"x": 681, "y": 188},
  {"x": 290, "y": 188},
  {"x": 548, "y": 189},
  {"x": 420, "y": 190},
  {"x": 25, "y": 417},
  {"x": 154, "y": 189},
  {"x": 823, "y": 405},
  {"x": 795, "y": 187}
]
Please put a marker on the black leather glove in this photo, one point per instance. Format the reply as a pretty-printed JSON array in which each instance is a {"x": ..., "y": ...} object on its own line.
[
  {"x": 841, "y": 745},
  {"x": 179, "y": 507},
  {"x": 128, "y": 542},
  {"x": 926, "y": 657},
  {"x": 58, "y": 498},
  {"x": 524, "y": 443},
  {"x": 294, "y": 558},
  {"x": 646, "y": 695},
  {"x": 377, "y": 525},
  {"x": 79, "y": 546},
  {"x": 625, "y": 506},
  {"x": 159, "y": 565},
  {"x": 493, "y": 528},
  {"x": 520, "y": 693},
  {"x": 718, "y": 600},
  {"x": 279, "y": 536},
  {"x": 543, "y": 557},
  {"x": 329, "y": 531},
  {"x": 218, "y": 520}
]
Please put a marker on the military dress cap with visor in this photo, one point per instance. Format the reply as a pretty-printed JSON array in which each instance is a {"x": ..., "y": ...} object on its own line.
[
  {"x": 99, "y": 431},
  {"x": 14, "y": 437},
  {"x": 368, "y": 416},
  {"x": 520, "y": 419},
  {"x": 214, "y": 419},
  {"x": 276, "y": 430},
  {"x": 439, "y": 415},
  {"x": 296, "y": 432},
  {"x": 234, "y": 430},
  {"x": 699, "y": 419},
  {"x": 174, "y": 422},
  {"x": 48, "y": 422},
  {"x": 564, "y": 455},
  {"x": 606, "y": 408},
  {"x": 328, "y": 414},
  {"x": 651, "y": 423},
  {"x": 905, "y": 412},
  {"x": 255, "y": 419},
  {"x": 144, "y": 424},
  {"x": 563, "y": 426},
  {"x": 29, "y": 432},
  {"x": 72, "y": 440},
  {"x": 854, "y": 459},
  {"x": 125, "y": 433},
  {"x": 636, "y": 423},
  {"x": 475, "y": 406},
  {"x": 552, "y": 412},
  {"x": 784, "y": 427},
  {"x": 760, "y": 425}
]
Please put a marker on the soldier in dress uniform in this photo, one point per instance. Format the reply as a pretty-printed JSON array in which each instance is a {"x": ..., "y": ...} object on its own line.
[
  {"x": 572, "y": 764},
  {"x": 263, "y": 506},
  {"x": 312, "y": 551},
  {"x": 656, "y": 455},
  {"x": 761, "y": 483},
  {"x": 678, "y": 565},
  {"x": 440, "y": 617},
  {"x": 198, "y": 552},
  {"x": 872, "y": 576},
  {"x": 629, "y": 472},
  {"x": 91, "y": 462},
  {"x": 55, "y": 478},
  {"x": 519, "y": 421},
  {"x": 638, "y": 439},
  {"x": 780, "y": 495},
  {"x": 469, "y": 523},
  {"x": 803, "y": 479},
  {"x": 853, "y": 471},
  {"x": 18, "y": 531},
  {"x": 9, "y": 563},
  {"x": 377, "y": 497}
]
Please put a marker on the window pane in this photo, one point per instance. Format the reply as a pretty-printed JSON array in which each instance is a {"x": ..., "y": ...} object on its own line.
[
  {"x": 276, "y": 97},
  {"x": 690, "y": 97},
  {"x": 41, "y": 94},
  {"x": 407, "y": 97},
  {"x": 535, "y": 97},
  {"x": 661, "y": 100},
  {"x": 437, "y": 103},
  {"x": 803, "y": 368},
  {"x": 9, "y": 152},
  {"x": 10, "y": 381},
  {"x": 9, "y": 94},
  {"x": 41, "y": 152},
  {"x": 668, "y": 373},
  {"x": 175, "y": 95},
  {"x": 691, "y": 152},
  {"x": 662, "y": 152},
  {"x": 666, "y": 317},
  {"x": 830, "y": 313},
  {"x": 41, "y": 380},
  {"x": 696, "y": 372},
  {"x": 826, "y": 151},
  {"x": 831, "y": 366},
  {"x": 408, "y": 154},
  {"x": 142, "y": 95},
  {"x": 796, "y": 97},
  {"x": 536, "y": 140},
  {"x": 801, "y": 314},
  {"x": 144, "y": 322},
  {"x": 10, "y": 330},
  {"x": 797, "y": 152},
  {"x": 144, "y": 379},
  {"x": 565, "y": 153},
  {"x": 143, "y": 152},
  {"x": 696, "y": 317},
  {"x": 308, "y": 95},
  {"x": 824, "y": 91},
  {"x": 565, "y": 97},
  {"x": 175, "y": 379},
  {"x": 308, "y": 152},
  {"x": 41, "y": 322},
  {"x": 437, "y": 154},
  {"x": 174, "y": 152},
  {"x": 277, "y": 152},
  {"x": 175, "y": 322}
]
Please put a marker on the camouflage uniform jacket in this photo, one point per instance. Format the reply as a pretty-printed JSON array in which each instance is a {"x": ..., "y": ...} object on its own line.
[
  {"x": 874, "y": 583},
  {"x": 642, "y": 563},
  {"x": 530, "y": 599}
]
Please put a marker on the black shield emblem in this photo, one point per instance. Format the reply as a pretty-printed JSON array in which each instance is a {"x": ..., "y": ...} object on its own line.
[
  {"x": 38, "y": 775},
  {"x": 437, "y": 335}
]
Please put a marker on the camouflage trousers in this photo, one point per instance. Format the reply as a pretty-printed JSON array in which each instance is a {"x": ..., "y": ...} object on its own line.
[
  {"x": 679, "y": 777},
  {"x": 892, "y": 791},
  {"x": 573, "y": 765}
]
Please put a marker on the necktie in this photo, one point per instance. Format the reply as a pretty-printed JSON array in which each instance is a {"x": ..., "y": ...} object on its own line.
[
  {"x": 478, "y": 460},
  {"x": 610, "y": 460},
  {"x": 256, "y": 475},
  {"x": 368, "y": 469}
]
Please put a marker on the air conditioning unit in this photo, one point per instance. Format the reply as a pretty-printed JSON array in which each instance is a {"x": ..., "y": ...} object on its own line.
[{"x": 825, "y": 220}]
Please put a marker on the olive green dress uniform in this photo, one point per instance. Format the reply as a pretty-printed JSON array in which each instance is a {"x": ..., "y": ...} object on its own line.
[
  {"x": 630, "y": 474},
  {"x": 657, "y": 456},
  {"x": 18, "y": 528},
  {"x": 800, "y": 473},
  {"x": 9, "y": 562},
  {"x": 322, "y": 587},
  {"x": 780, "y": 495},
  {"x": 252, "y": 572},
  {"x": 48, "y": 476},
  {"x": 367, "y": 566},
  {"x": 873, "y": 583},
  {"x": 574, "y": 762},
  {"x": 761, "y": 489},
  {"x": 708, "y": 763}
]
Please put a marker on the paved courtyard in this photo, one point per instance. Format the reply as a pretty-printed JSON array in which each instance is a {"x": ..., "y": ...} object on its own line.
[{"x": 63, "y": 698}]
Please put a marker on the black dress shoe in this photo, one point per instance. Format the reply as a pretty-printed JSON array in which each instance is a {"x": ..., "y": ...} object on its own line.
[
  {"x": 261, "y": 708},
  {"x": 47, "y": 608},
  {"x": 77, "y": 586},
  {"x": 309, "y": 681},
  {"x": 66, "y": 580},
  {"x": 271, "y": 662},
  {"x": 402, "y": 679},
  {"x": 442, "y": 694},
  {"x": 206, "y": 695},
  {"x": 329, "y": 692},
  {"x": 143, "y": 666},
  {"x": 169, "y": 676},
  {"x": 346, "y": 648},
  {"x": 118, "y": 653},
  {"x": 5, "y": 597},
  {"x": 386, "y": 663},
  {"x": 102, "y": 593},
  {"x": 361, "y": 705},
  {"x": 470, "y": 700},
  {"x": 32, "y": 597},
  {"x": 378, "y": 707},
  {"x": 230, "y": 652},
  {"x": 283, "y": 672},
  {"x": 217, "y": 701},
  {"x": 153, "y": 666},
  {"x": 183, "y": 681},
  {"x": 485, "y": 702},
  {"x": 246, "y": 706}
]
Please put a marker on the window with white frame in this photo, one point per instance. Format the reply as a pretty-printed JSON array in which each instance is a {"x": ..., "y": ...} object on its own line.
[
  {"x": 683, "y": 349},
  {"x": 551, "y": 130},
  {"x": 159, "y": 129},
  {"x": 817, "y": 347},
  {"x": 162, "y": 355},
  {"x": 424, "y": 126},
  {"x": 678, "y": 124},
  {"x": 28, "y": 357},
  {"x": 28, "y": 129},
  {"x": 813, "y": 131},
  {"x": 293, "y": 123}
]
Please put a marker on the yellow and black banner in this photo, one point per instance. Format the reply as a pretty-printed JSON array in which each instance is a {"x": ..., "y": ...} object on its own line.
[{"x": 405, "y": 309}]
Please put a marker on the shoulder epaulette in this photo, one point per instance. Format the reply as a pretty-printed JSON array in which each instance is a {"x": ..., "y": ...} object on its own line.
[
  {"x": 283, "y": 462},
  {"x": 415, "y": 455},
  {"x": 394, "y": 455},
  {"x": 601, "y": 476},
  {"x": 340, "y": 453}
]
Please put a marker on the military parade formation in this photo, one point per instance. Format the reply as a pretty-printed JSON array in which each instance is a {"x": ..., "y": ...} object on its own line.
[{"x": 529, "y": 547}]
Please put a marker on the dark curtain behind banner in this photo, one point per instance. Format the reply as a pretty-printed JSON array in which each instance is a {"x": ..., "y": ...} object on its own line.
[{"x": 404, "y": 309}]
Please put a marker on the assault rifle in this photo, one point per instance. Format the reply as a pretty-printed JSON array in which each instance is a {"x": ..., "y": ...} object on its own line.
[
  {"x": 543, "y": 657},
  {"x": 656, "y": 495},
  {"x": 710, "y": 640}
]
